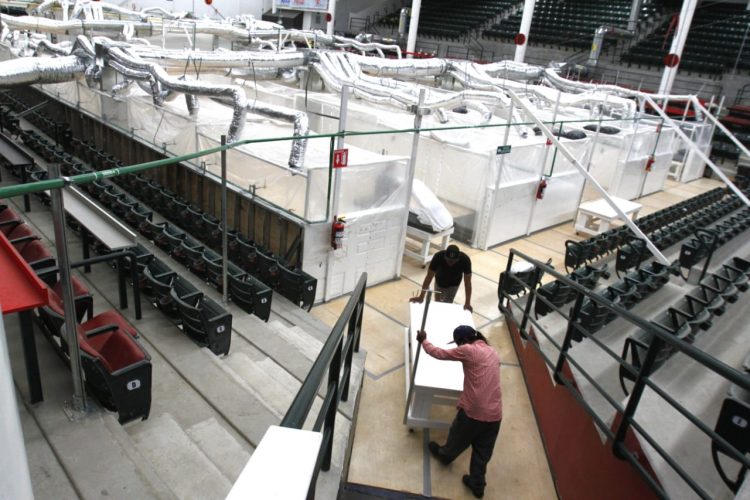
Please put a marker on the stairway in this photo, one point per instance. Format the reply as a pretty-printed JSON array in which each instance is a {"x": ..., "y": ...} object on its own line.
[{"x": 208, "y": 413}]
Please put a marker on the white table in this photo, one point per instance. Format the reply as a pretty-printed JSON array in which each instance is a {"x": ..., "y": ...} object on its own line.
[
  {"x": 425, "y": 238},
  {"x": 436, "y": 382},
  {"x": 595, "y": 217}
]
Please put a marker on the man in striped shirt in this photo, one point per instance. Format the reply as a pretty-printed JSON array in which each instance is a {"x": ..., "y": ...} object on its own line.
[{"x": 480, "y": 407}]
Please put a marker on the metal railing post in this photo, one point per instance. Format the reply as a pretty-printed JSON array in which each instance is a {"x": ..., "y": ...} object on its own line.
[
  {"x": 334, "y": 370},
  {"x": 71, "y": 329},
  {"x": 568, "y": 336},
  {"x": 635, "y": 395},
  {"x": 225, "y": 226}
]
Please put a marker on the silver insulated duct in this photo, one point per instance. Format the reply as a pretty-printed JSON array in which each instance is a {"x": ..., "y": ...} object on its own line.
[{"x": 33, "y": 70}]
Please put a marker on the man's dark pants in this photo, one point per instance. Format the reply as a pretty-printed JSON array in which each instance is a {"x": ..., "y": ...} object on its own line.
[{"x": 481, "y": 436}]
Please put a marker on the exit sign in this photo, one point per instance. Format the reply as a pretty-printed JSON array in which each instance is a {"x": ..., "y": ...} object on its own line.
[
  {"x": 503, "y": 150},
  {"x": 340, "y": 158}
]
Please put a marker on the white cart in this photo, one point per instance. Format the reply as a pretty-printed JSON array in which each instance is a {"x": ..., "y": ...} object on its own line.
[{"x": 436, "y": 382}]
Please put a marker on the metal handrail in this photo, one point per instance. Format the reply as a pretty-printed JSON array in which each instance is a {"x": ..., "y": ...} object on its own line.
[
  {"x": 641, "y": 376},
  {"x": 337, "y": 386}
]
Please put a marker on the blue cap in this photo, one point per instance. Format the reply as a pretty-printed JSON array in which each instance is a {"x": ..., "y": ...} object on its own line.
[{"x": 463, "y": 334}]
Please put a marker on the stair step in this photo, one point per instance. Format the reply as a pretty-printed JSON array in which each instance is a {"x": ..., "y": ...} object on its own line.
[
  {"x": 181, "y": 464},
  {"x": 274, "y": 385},
  {"x": 267, "y": 339},
  {"x": 48, "y": 477},
  {"x": 308, "y": 345},
  {"x": 295, "y": 315},
  {"x": 220, "y": 446}
]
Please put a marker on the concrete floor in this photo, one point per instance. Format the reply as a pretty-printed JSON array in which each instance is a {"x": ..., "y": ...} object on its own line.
[{"x": 385, "y": 453}]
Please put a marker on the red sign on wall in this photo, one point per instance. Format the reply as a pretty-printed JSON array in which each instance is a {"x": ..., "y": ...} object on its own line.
[{"x": 340, "y": 158}]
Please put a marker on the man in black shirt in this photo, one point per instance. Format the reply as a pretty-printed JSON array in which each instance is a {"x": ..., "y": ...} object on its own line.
[{"x": 448, "y": 267}]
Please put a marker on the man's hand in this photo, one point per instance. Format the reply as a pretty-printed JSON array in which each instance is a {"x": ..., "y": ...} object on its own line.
[
  {"x": 467, "y": 307},
  {"x": 418, "y": 299},
  {"x": 421, "y": 335}
]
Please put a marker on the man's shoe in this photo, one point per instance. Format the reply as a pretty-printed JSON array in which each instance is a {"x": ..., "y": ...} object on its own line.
[
  {"x": 477, "y": 491},
  {"x": 435, "y": 451}
]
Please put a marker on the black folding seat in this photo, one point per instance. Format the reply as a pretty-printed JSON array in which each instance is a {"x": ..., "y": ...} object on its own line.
[
  {"x": 710, "y": 299},
  {"x": 215, "y": 270},
  {"x": 740, "y": 265},
  {"x": 695, "y": 312},
  {"x": 268, "y": 269},
  {"x": 251, "y": 295},
  {"x": 735, "y": 276},
  {"x": 170, "y": 238},
  {"x": 204, "y": 321},
  {"x": 722, "y": 285},
  {"x": 142, "y": 258},
  {"x": 192, "y": 219},
  {"x": 692, "y": 252},
  {"x": 124, "y": 205},
  {"x": 188, "y": 251},
  {"x": 660, "y": 273},
  {"x": 592, "y": 317},
  {"x": 630, "y": 255},
  {"x": 552, "y": 294},
  {"x": 148, "y": 228},
  {"x": 111, "y": 196},
  {"x": 176, "y": 208},
  {"x": 158, "y": 280},
  {"x": 244, "y": 253},
  {"x": 576, "y": 254},
  {"x": 588, "y": 276},
  {"x": 297, "y": 286},
  {"x": 200, "y": 267},
  {"x": 627, "y": 293}
]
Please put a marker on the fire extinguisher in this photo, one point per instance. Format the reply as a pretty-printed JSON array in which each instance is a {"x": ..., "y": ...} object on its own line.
[
  {"x": 540, "y": 188},
  {"x": 650, "y": 163},
  {"x": 337, "y": 232}
]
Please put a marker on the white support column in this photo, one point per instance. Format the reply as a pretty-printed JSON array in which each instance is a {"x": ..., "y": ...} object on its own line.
[
  {"x": 594, "y": 183},
  {"x": 411, "y": 43},
  {"x": 678, "y": 44},
  {"x": 332, "y": 12},
  {"x": 412, "y": 169},
  {"x": 528, "y": 14}
]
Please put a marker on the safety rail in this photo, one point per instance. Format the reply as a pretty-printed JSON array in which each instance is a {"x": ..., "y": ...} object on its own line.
[
  {"x": 335, "y": 358},
  {"x": 625, "y": 422}
]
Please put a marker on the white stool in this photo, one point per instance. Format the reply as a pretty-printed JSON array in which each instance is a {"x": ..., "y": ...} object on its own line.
[{"x": 591, "y": 211}]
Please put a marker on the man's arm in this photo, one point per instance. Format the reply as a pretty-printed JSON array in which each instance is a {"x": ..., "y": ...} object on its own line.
[
  {"x": 467, "y": 287},
  {"x": 425, "y": 286},
  {"x": 456, "y": 354}
]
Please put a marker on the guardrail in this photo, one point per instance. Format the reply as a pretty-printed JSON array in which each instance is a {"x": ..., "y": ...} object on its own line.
[
  {"x": 336, "y": 358},
  {"x": 535, "y": 334}
]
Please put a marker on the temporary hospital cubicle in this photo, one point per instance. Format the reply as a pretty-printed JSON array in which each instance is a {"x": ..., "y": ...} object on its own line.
[
  {"x": 631, "y": 158},
  {"x": 373, "y": 195}
]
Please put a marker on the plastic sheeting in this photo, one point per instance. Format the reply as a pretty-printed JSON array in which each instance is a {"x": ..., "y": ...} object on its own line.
[{"x": 428, "y": 209}]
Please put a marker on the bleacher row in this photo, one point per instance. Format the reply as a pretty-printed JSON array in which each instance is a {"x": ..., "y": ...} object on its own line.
[
  {"x": 688, "y": 316},
  {"x": 116, "y": 367},
  {"x": 578, "y": 253},
  {"x": 202, "y": 319},
  {"x": 571, "y": 23},
  {"x": 713, "y": 44},
  {"x": 444, "y": 19},
  {"x": 253, "y": 269}
]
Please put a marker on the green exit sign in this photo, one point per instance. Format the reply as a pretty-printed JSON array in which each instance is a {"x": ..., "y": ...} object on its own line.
[{"x": 503, "y": 150}]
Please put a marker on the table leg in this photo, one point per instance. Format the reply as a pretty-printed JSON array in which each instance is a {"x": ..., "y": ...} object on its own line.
[
  {"x": 425, "y": 250},
  {"x": 30, "y": 357}
]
